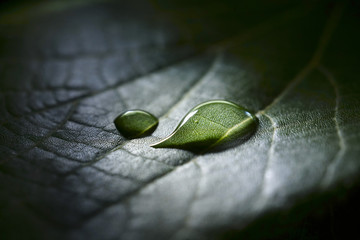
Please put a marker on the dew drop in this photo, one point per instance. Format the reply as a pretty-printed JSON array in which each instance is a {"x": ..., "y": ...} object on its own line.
[
  {"x": 213, "y": 124},
  {"x": 136, "y": 123}
]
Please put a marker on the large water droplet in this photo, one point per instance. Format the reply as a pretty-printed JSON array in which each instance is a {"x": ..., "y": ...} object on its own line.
[
  {"x": 136, "y": 123},
  {"x": 212, "y": 124}
]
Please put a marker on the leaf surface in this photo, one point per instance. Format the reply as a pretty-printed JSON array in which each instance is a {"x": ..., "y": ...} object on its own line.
[{"x": 66, "y": 173}]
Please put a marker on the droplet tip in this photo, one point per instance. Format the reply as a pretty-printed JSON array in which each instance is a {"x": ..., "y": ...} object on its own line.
[
  {"x": 161, "y": 144},
  {"x": 155, "y": 145}
]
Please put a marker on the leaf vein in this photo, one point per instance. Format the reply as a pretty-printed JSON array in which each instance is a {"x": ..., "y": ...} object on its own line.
[
  {"x": 316, "y": 58},
  {"x": 49, "y": 134},
  {"x": 191, "y": 203},
  {"x": 329, "y": 172},
  {"x": 270, "y": 154}
]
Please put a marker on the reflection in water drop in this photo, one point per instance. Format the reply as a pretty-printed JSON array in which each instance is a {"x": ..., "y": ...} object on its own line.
[
  {"x": 212, "y": 124},
  {"x": 136, "y": 123}
]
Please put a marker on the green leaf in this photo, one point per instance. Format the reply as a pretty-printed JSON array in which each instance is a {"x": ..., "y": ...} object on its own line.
[
  {"x": 65, "y": 74},
  {"x": 211, "y": 124}
]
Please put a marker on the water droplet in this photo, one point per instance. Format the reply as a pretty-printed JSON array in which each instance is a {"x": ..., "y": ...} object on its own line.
[
  {"x": 136, "y": 123},
  {"x": 212, "y": 124}
]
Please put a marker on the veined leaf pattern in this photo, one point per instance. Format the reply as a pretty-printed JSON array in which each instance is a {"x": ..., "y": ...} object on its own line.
[{"x": 66, "y": 173}]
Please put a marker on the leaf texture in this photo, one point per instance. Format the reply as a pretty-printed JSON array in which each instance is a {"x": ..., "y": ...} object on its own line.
[{"x": 65, "y": 171}]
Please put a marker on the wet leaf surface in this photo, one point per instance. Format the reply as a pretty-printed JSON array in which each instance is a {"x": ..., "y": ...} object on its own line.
[{"x": 68, "y": 70}]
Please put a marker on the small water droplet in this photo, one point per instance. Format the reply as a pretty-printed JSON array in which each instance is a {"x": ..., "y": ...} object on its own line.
[
  {"x": 136, "y": 123},
  {"x": 212, "y": 124}
]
